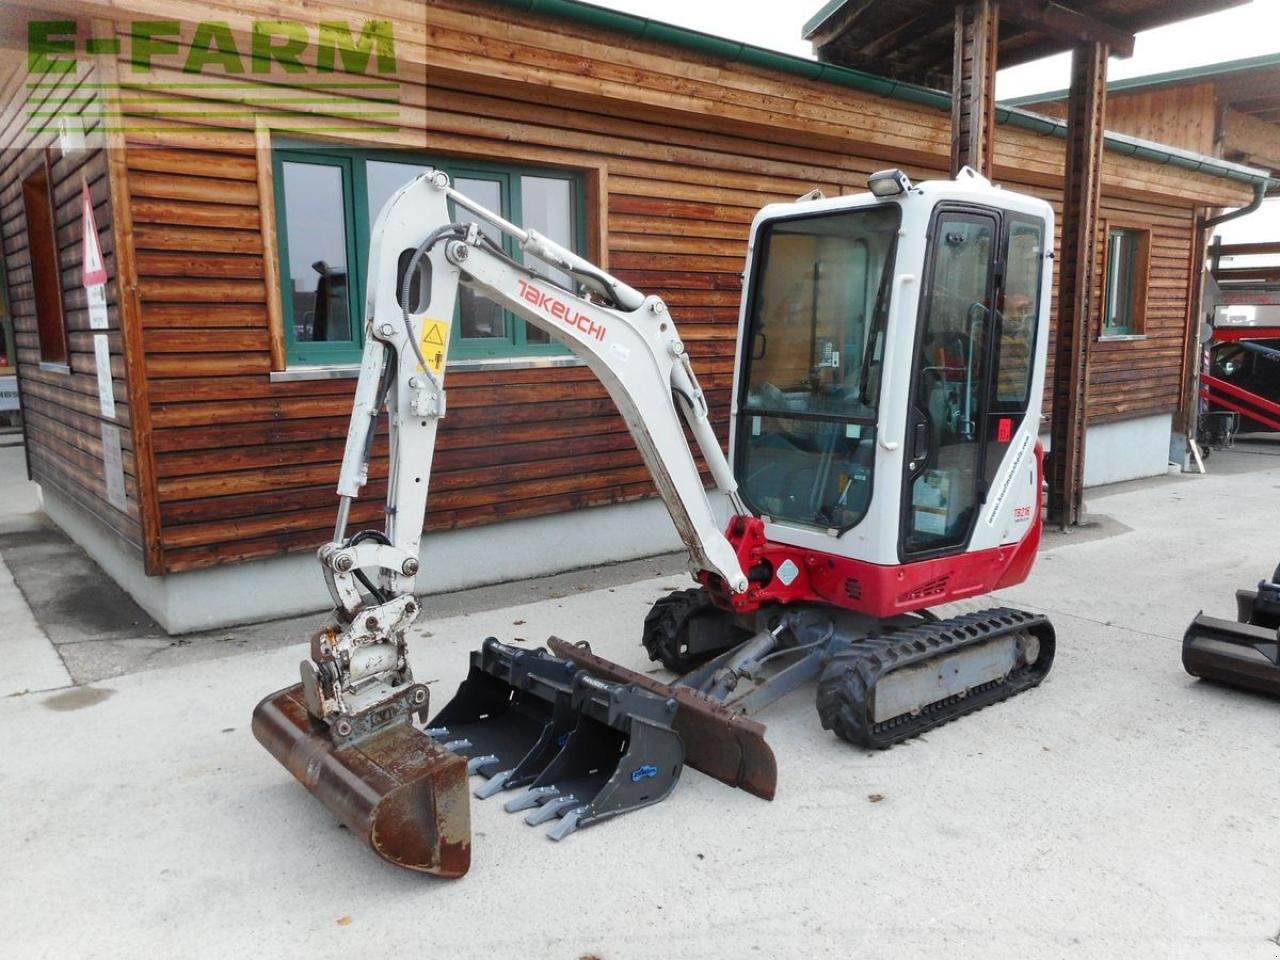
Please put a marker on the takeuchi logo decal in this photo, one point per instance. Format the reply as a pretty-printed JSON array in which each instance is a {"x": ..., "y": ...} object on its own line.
[
  {"x": 170, "y": 74},
  {"x": 551, "y": 304}
]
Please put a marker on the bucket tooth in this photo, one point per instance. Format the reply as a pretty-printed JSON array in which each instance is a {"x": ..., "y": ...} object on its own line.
[
  {"x": 402, "y": 793},
  {"x": 513, "y": 704},
  {"x": 475, "y": 764},
  {"x": 529, "y": 798},
  {"x": 495, "y": 784},
  {"x": 552, "y": 809},
  {"x": 568, "y": 823}
]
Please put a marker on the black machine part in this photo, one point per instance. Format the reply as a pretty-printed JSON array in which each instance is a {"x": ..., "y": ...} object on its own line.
[
  {"x": 685, "y": 628},
  {"x": 1244, "y": 652},
  {"x": 585, "y": 749},
  {"x": 856, "y": 691}
]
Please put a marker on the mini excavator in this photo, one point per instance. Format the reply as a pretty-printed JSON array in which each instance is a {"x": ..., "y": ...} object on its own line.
[{"x": 883, "y": 460}]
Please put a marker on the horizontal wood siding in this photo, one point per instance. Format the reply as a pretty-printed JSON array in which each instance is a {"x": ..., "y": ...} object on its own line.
[
  {"x": 61, "y": 411},
  {"x": 1185, "y": 117},
  {"x": 686, "y": 149}
]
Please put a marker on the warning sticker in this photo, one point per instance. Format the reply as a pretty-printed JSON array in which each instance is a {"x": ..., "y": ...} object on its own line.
[
  {"x": 93, "y": 270},
  {"x": 435, "y": 344}
]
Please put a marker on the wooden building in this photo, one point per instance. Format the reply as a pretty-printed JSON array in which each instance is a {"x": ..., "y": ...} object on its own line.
[
  {"x": 1229, "y": 109},
  {"x": 233, "y": 223}
]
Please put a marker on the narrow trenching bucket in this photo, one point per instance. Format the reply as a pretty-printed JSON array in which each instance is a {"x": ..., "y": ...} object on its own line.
[
  {"x": 510, "y": 716},
  {"x": 586, "y": 749},
  {"x": 621, "y": 756},
  {"x": 401, "y": 792},
  {"x": 717, "y": 741}
]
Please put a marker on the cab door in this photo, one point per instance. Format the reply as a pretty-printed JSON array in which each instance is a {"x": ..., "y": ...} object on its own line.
[{"x": 945, "y": 483}]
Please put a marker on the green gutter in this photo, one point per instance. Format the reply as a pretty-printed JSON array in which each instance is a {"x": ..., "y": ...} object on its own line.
[
  {"x": 733, "y": 51},
  {"x": 1172, "y": 78}
]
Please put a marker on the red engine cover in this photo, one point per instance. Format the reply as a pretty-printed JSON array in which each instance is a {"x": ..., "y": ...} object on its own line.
[{"x": 786, "y": 574}]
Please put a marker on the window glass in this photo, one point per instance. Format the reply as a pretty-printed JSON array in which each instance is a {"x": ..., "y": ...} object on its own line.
[
  {"x": 327, "y": 202},
  {"x": 1122, "y": 282},
  {"x": 317, "y": 232},
  {"x": 1019, "y": 307},
  {"x": 547, "y": 206},
  {"x": 813, "y": 311},
  {"x": 815, "y": 332},
  {"x": 946, "y": 423},
  {"x": 479, "y": 317},
  {"x": 383, "y": 178}
]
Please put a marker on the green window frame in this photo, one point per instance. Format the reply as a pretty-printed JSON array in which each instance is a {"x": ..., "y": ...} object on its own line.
[{"x": 353, "y": 166}]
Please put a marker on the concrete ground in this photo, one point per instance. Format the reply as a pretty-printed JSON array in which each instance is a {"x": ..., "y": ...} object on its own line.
[{"x": 1121, "y": 810}]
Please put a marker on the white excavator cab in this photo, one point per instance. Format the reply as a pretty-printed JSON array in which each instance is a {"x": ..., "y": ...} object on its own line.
[
  {"x": 883, "y": 460},
  {"x": 891, "y": 361}
]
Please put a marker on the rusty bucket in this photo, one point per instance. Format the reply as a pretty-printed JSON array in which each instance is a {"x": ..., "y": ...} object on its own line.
[{"x": 397, "y": 789}]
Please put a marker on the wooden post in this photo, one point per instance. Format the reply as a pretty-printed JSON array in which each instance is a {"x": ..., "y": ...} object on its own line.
[
  {"x": 131, "y": 330},
  {"x": 1081, "y": 197},
  {"x": 973, "y": 86}
]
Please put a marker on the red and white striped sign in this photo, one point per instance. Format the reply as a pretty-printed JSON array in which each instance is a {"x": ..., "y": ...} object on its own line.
[{"x": 95, "y": 271}]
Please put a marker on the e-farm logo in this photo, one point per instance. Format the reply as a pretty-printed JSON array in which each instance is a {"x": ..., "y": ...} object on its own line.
[{"x": 173, "y": 75}]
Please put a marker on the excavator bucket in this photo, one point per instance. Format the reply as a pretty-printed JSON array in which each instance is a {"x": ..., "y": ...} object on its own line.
[
  {"x": 622, "y": 755},
  {"x": 586, "y": 750},
  {"x": 510, "y": 717},
  {"x": 718, "y": 741},
  {"x": 399, "y": 791},
  {"x": 1244, "y": 652}
]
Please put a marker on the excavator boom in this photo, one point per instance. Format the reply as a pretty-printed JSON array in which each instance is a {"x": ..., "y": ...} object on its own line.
[{"x": 348, "y": 730}]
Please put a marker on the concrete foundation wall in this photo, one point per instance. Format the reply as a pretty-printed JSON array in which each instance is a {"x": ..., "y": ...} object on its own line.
[
  {"x": 1125, "y": 450},
  {"x": 451, "y": 560},
  {"x": 458, "y": 559}
]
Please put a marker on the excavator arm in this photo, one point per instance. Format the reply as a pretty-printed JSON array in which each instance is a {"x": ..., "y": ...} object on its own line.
[{"x": 419, "y": 258}]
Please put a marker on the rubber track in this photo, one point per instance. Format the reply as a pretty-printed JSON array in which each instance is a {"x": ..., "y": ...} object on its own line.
[
  {"x": 846, "y": 687},
  {"x": 664, "y": 624}
]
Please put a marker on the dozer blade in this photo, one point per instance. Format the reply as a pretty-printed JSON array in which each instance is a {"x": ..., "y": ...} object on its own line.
[
  {"x": 510, "y": 716},
  {"x": 622, "y": 755},
  {"x": 1240, "y": 654},
  {"x": 717, "y": 741},
  {"x": 398, "y": 790}
]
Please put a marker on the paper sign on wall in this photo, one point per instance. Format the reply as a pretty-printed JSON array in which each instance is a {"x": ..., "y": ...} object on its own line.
[
  {"x": 8, "y": 393},
  {"x": 94, "y": 277},
  {"x": 106, "y": 389},
  {"x": 97, "y": 295},
  {"x": 435, "y": 344},
  {"x": 113, "y": 466}
]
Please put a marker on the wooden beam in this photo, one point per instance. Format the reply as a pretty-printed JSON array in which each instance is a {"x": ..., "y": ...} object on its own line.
[
  {"x": 270, "y": 243},
  {"x": 1062, "y": 22},
  {"x": 1081, "y": 198},
  {"x": 135, "y": 356},
  {"x": 973, "y": 87},
  {"x": 1269, "y": 247},
  {"x": 837, "y": 25},
  {"x": 1254, "y": 138}
]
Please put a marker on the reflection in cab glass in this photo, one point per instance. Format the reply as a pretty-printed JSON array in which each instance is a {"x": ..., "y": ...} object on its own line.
[{"x": 815, "y": 332}]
